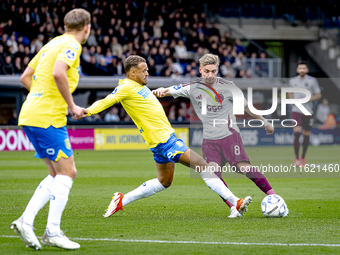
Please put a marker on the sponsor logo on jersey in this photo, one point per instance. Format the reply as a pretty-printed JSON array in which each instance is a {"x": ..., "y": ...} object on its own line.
[
  {"x": 144, "y": 92},
  {"x": 43, "y": 55},
  {"x": 67, "y": 143},
  {"x": 70, "y": 54},
  {"x": 199, "y": 97},
  {"x": 177, "y": 87},
  {"x": 74, "y": 46},
  {"x": 179, "y": 143},
  {"x": 115, "y": 91}
]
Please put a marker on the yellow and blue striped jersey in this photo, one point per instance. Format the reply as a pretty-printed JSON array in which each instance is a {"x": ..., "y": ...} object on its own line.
[
  {"x": 44, "y": 105},
  {"x": 143, "y": 107}
]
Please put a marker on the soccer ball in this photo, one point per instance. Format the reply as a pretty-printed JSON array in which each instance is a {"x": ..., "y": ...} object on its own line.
[{"x": 274, "y": 206}]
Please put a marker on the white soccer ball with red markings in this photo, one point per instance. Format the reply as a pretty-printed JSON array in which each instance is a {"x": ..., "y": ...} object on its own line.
[{"x": 274, "y": 206}]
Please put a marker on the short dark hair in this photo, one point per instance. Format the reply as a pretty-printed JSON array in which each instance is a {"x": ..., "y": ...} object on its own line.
[
  {"x": 133, "y": 61},
  {"x": 301, "y": 62}
]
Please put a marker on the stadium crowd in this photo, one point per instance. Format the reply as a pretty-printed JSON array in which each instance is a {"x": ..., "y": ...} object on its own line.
[{"x": 170, "y": 35}]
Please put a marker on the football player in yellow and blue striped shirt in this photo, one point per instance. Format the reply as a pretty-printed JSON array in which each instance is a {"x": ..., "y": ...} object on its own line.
[
  {"x": 148, "y": 115},
  {"x": 51, "y": 77}
]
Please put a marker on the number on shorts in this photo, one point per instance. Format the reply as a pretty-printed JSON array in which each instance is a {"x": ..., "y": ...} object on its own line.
[{"x": 237, "y": 150}]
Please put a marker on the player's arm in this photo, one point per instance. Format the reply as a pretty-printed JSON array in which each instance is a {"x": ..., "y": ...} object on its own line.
[
  {"x": 60, "y": 77},
  {"x": 315, "y": 97},
  {"x": 269, "y": 128},
  {"x": 102, "y": 104},
  {"x": 161, "y": 92},
  {"x": 26, "y": 77}
]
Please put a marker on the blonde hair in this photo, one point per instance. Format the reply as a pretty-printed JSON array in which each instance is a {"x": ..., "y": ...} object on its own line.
[
  {"x": 209, "y": 59},
  {"x": 77, "y": 19}
]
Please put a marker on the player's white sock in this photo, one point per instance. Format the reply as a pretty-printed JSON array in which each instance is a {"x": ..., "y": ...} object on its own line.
[
  {"x": 147, "y": 189},
  {"x": 218, "y": 186},
  {"x": 38, "y": 200},
  {"x": 58, "y": 200}
]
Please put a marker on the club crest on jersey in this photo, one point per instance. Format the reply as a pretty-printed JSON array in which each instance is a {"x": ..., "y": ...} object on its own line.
[
  {"x": 74, "y": 46},
  {"x": 70, "y": 54},
  {"x": 221, "y": 97},
  {"x": 43, "y": 55}
]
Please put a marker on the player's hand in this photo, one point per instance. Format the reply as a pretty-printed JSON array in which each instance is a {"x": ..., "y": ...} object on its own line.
[
  {"x": 83, "y": 114},
  {"x": 159, "y": 92},
  {"x": 270, "y": 129},
  {"x": 78, "y": 112}
]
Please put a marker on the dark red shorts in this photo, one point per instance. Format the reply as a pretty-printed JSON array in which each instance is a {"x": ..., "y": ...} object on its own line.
[
  {"x": 304, "y": 121},
  {"x": 229, "y": 149}
]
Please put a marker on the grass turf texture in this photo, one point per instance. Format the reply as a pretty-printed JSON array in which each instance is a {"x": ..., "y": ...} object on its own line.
[{"x": 187, "y": 211}]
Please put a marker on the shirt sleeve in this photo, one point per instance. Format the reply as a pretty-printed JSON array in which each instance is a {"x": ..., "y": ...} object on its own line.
[
  {"x": 180, "y": 91},
  {"x": 69, "y": 54},
  {"x": 118, "y": 95},
  {"x": 316, "y": 87},
  {"x": 34, "y": 62}
]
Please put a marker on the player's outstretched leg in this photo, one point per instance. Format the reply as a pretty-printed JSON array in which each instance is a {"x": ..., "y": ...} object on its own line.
[
  {"x": 191, "y": 158},
  {"x": 233, "y": 211},
  {"x": 256, "y": 176},
  {"x": 148, "y": 188}
]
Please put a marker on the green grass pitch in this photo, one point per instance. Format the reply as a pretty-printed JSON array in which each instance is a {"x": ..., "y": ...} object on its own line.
[{"x": 187, "y": 211}]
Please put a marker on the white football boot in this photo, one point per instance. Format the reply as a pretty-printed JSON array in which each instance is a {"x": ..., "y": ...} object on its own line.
[
  {"x": 234, "y": 213},
  {"x": 242, "y": 204},
  {"x": 115, "y": 205},
  {"x": 60, "y": 241},
  {"x": 26, "y": 233}
]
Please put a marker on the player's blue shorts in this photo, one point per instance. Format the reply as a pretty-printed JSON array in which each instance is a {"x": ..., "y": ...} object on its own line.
[
  {"x": 170, "y": 151},
  {"x": 52, "y": 143}
]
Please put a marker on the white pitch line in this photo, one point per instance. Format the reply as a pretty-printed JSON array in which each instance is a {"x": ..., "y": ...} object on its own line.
[{"x": 192, "y": 242}]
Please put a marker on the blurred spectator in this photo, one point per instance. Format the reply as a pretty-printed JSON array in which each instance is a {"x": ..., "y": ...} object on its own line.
[
  {"x": 261, "y": 68},
  {"x": 116, "y": 47},
  {"x": 152, "y": 68},
  {"x": 18, "y": 68},
  {"x": 227, "y": 39},
  {"x": 181, "y": 51},
  {"x": 37, "y": 43},
  {"x": 226, "y": 70},
  {"x": 92, "y": 41},
  {"x": 4, "y": 38},
  {"x": 181, "y": 115},
  {"x": 112, "y": 115},
  {"x": 2, "y": 56},
  {"x": 99, "y": 56},
  {"x": 13, "y": 121},
  {"x": 7, "y": 67},
  {"x": 323, "y": 111},
  {"x": 35, "y": 17},
  {"x": 240, "y": 62},
  {"x": 12, "y": 42},
  {"x": 214, "y": 30},
  {"x": 25, "y": 62},
  {"x": 8, "y": 29},
  {"x": 86, "y": 55},
  {"x": 239, "y": 47}
]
